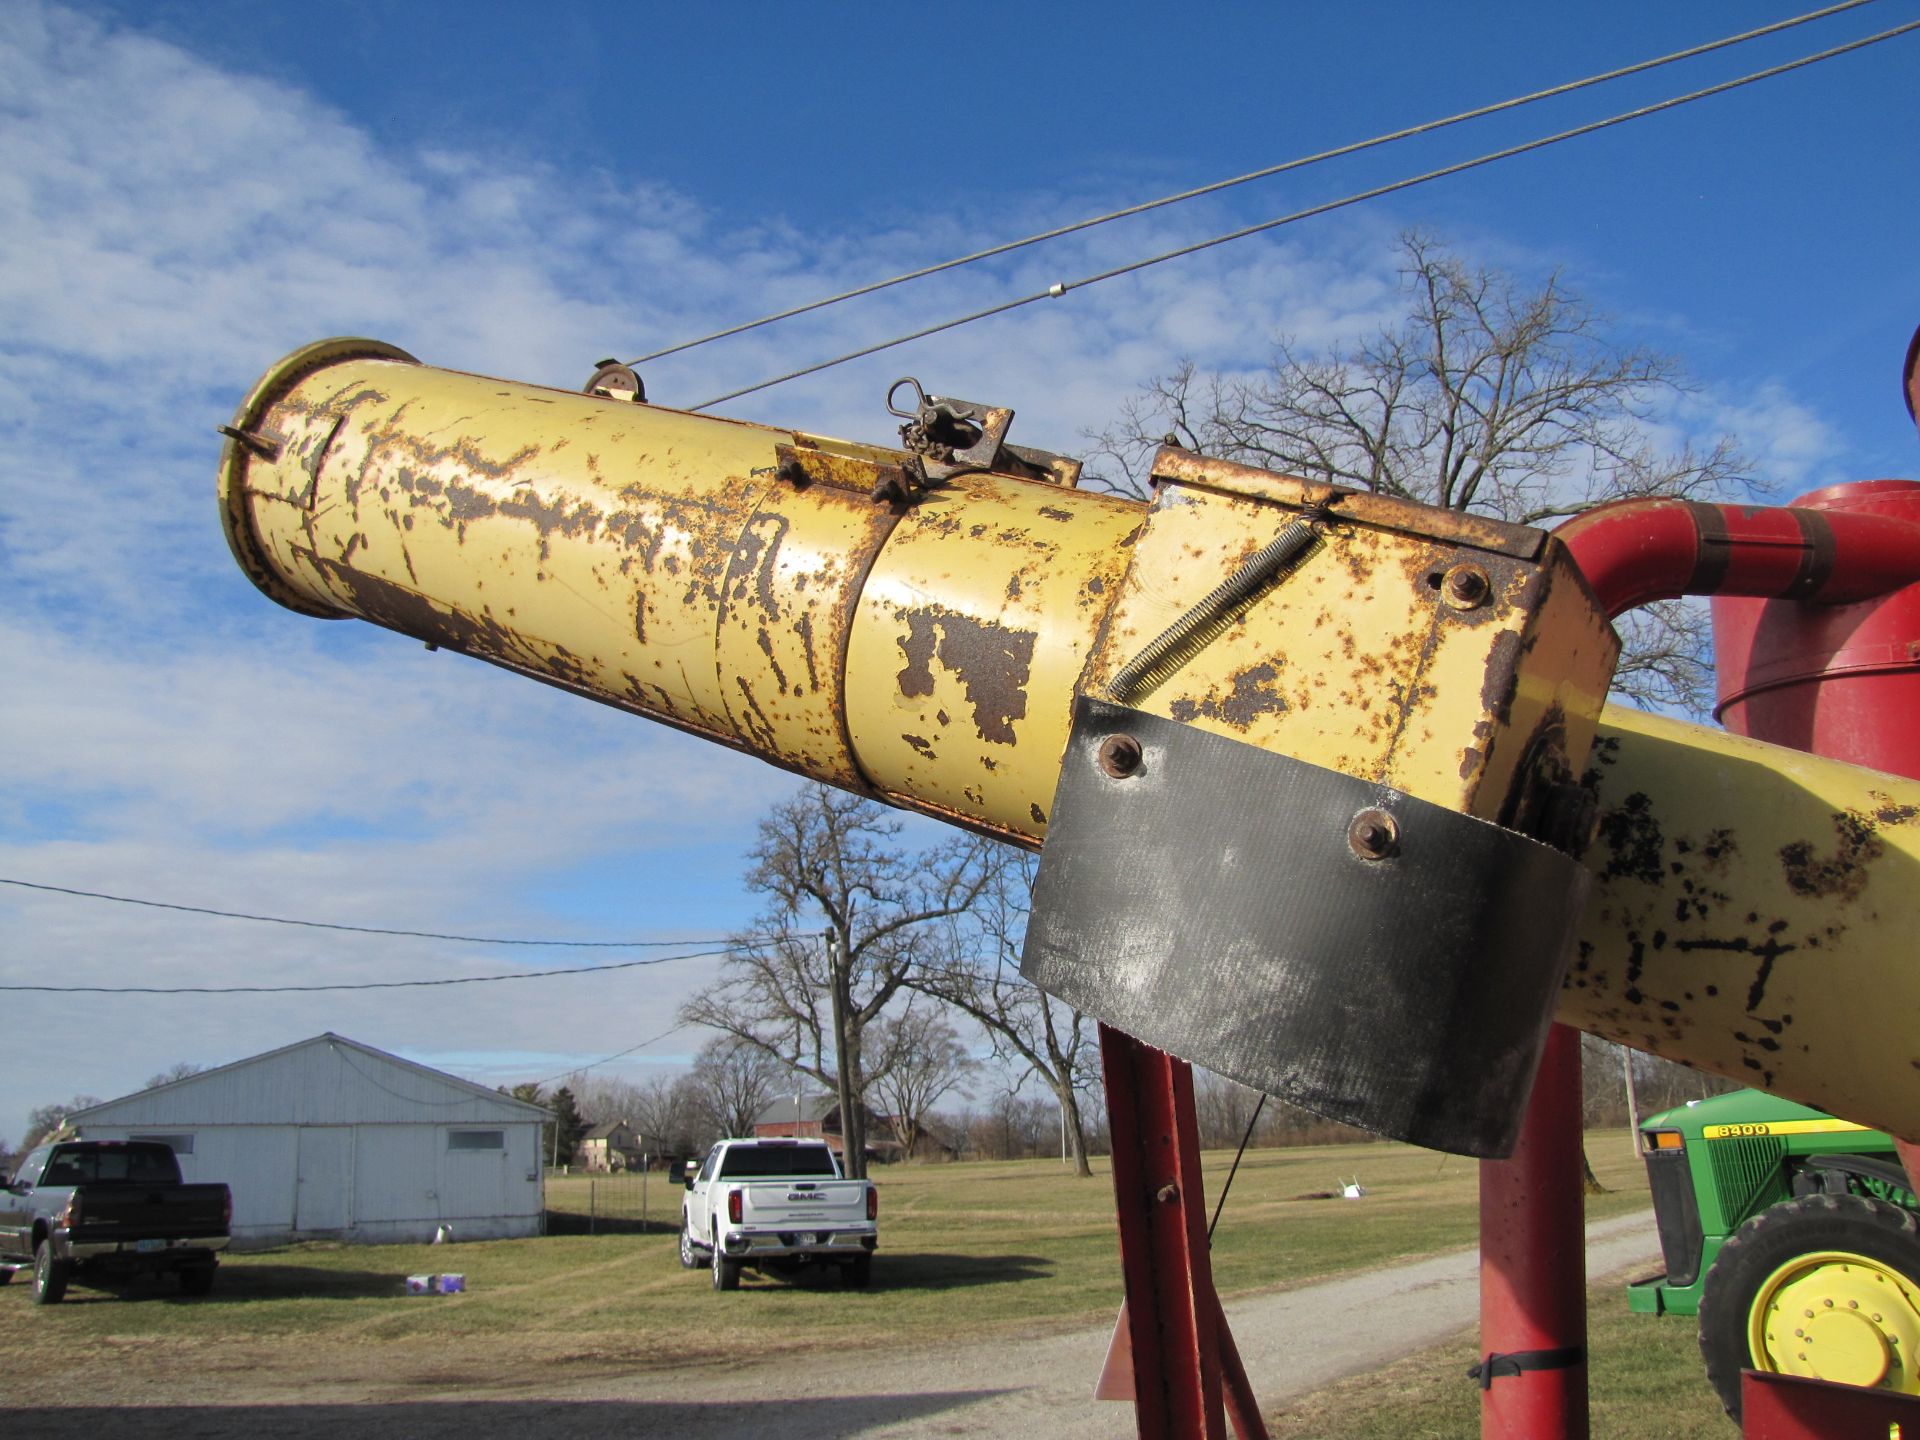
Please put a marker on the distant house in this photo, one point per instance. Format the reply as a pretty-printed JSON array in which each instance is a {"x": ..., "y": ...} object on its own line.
[
  {"x": 611, "y": 1145},
  {"x": 817, "y": 1117},
  {"x": 331, "y": 1138}
]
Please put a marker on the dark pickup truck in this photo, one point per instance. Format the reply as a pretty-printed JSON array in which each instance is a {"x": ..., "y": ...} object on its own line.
[{"x": 107, "y": 1209}]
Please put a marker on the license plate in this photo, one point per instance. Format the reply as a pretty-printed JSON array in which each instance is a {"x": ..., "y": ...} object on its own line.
[
  {"x": 807, "y": 1237},
  {"x": 148, "y": 1247}
]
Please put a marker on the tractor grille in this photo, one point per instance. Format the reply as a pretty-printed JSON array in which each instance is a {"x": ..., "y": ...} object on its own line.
[
  {"x": 1748, "y": 1175},
  {"x": 1676, "y": 1214}
]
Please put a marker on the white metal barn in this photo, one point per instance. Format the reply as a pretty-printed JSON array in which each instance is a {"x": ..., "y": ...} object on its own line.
[{"x": 331, "y": 1138}]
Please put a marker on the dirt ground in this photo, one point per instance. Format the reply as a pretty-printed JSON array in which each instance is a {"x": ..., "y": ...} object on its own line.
[{"x": 1292, "y": 1343}]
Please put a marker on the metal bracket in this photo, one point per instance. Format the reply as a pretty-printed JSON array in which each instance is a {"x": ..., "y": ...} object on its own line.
[{"x": 955, "y": 437}]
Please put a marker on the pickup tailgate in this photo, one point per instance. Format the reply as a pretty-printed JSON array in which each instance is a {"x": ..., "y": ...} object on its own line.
[
  {"x": 129, "y": 1213},
  {"x": 779, "y": 1204}
]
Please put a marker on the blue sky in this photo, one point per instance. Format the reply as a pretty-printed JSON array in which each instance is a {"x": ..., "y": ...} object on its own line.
[{"x": 187, "y": 192}]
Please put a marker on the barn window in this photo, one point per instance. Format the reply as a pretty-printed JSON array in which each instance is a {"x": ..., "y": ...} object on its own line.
[
  {"x": 179, "y": 1144},
  {"x": 476, "y": 1140}
]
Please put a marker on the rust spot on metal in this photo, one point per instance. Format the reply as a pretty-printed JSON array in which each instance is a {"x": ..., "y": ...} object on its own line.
[
  {"x": 1502, "y": 681},
  {"x": 921, "y": 744},
  {"x": 991, "y": 661},
  {"x": 765, "y": 641},
  {"x": 1255, "y": 692},
  {"x": 1050, "y": 513},
  {"x": 1039, "y": 815},
  {"x": 1634, "y": 845},
  {"x": 1843, "y": 873},
  {"x": 760, "y": 729},
  {"x": 803, "y": 627}
]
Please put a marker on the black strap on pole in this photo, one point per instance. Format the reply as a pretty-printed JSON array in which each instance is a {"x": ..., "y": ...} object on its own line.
[{"x": 1496, "y": 1366}]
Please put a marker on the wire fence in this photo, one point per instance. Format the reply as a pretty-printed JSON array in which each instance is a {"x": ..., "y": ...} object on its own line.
[{"x": 626, "y": 1203}]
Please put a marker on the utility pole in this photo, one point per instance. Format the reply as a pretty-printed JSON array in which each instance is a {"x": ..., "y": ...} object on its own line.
[{"x": 1633, "y": 1102}]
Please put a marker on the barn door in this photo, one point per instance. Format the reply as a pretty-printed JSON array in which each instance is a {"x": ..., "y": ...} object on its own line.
[{"x": 325, "y": 1180}]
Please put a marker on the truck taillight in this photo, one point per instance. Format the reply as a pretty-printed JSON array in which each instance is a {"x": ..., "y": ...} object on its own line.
[
  {"x": 70, "y": 1214},
  {"x": 736, "y": 1208},
  {"x": 873, "y": 1203},
  {"x": 226, "y": 1211}
]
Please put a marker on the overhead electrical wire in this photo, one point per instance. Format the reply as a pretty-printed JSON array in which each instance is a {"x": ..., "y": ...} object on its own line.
[
  {"x": 1060, "y": 288},
  {"x": 360, "y": 984},
  {"x": 359, "y": 929},
  {"x": 617, "y": 1055},
  {"x": 1299, "y": 163}
]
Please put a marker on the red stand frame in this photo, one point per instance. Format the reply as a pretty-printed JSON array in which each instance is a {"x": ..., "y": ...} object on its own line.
[{"x": 1187, "y": 1379}]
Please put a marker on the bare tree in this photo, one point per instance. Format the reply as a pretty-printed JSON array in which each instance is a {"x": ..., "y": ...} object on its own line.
[
  {"x": 664, "y": 1111},
  {"x": 1489, "y": 397},
  {"x": 1224, "y": 1109},
  {"x": 48, "y": 1119},
  {"x": 979, "y": 973},
  {"x": 731, "y": 1082},
  {"x": 916, "y": 1060},
  {"x": 177, "y": 1071},
  {"x": 834, "y": 861}
]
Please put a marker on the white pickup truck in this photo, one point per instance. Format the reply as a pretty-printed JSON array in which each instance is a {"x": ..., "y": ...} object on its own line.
[{"x": 777, "y": 1205}]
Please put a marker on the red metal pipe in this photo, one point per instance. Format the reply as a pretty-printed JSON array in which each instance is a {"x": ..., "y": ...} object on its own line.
[
  {"x": 1533, "y": 1265},
  {"x": 1636, "y": 551}
]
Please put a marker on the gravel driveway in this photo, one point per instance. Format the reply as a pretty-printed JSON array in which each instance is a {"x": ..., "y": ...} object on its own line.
[{"x": 1292, "y": 1342}]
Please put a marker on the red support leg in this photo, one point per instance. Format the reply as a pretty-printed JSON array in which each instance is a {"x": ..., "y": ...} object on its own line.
[
  {"x": 1533, "y": 1265},
  {"x": 1173, "y": 1318},
  {"x": 1910, "y": 1157}
]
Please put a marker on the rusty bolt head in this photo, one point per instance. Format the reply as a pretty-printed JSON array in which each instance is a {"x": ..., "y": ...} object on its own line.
[
  {"x": 1120, "y": 756},
  {"x": 1467, "y": 587},
  {"x": 1373, "y": 834}
]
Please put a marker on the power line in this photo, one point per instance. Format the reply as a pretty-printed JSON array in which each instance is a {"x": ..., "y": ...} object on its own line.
[
  {"x": 355, "y": 929},
  {"x": 358, "y": 985},
  {"x": 1060, "y": 288},
  {"x": 1354, "y": 148},
  {"x": 617, "y": 1055}
]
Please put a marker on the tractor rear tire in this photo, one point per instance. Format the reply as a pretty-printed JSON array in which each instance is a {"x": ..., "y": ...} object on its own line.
[{"x": 1825, "y": 1286}]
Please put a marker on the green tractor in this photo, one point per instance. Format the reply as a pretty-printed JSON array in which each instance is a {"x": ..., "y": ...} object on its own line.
[{"x": 1791, "y": 1235}]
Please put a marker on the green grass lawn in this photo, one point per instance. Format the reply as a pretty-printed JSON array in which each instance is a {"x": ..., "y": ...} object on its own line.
[
  {"x": 966, "y": 1250},
  {"x": 1645, "y": 1381}
]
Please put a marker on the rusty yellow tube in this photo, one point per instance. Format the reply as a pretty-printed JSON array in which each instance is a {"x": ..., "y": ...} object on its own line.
[
  {"x": 742, "y": 582},
  {"x": 657, "y": 561}
]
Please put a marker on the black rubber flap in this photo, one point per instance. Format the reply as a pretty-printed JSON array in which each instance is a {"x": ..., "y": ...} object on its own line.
[{"x": 1210, "y": 903}]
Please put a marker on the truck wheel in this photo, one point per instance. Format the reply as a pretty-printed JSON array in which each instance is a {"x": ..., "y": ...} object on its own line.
[
  {"x": 726, "y": 1273},
  {"x": 196, "y": 1279},
  {"x": 689, "y": 1254},
  {"x": 857, "y": 1273},
  {"x": 49, "y": 1275},
  {"x": 1824, "y": 1286}
]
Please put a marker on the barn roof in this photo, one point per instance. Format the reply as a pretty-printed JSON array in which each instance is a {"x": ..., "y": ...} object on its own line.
[{"x": 328, "y": 1079}]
